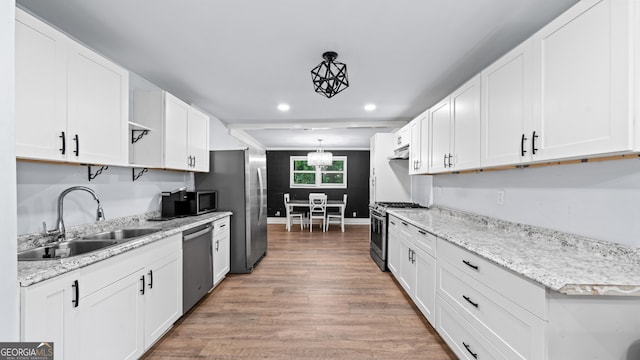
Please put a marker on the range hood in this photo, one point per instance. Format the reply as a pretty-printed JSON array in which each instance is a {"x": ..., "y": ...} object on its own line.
[{"x": 400, "y": 153}]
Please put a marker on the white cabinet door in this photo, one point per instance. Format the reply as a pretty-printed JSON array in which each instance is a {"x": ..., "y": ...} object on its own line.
[
  {"x": 98, "y": 109},
  {"x": 111, "y": 319},
  {"x": 419, "y": 145},
  {"x": 176, "y": 149},
  {"x": 41, "y": 117},
  {"x": 465, "y": 126},
  {"x": 507, "y": 108},
  {"x": 221, "y": 250},
  {"x": 582, "y": 81},
  {"x": 425, "y": 284},
  {"x": 440, "y": 136},
  {"x": 163, "y": 297},
  {"x": 407, "y": 273},
  {"x": 394, "y": 248},
  {"x": 198, "y": 140},
  {"x": 48, "y": 313}
]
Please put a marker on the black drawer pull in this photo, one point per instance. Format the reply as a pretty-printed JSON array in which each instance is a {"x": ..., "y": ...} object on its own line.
[
  {"x": 63, "y": 149},
  {"x": 392, "y": 223},
  {"x": 469, "y": 301},
  {"x": 150, "y": 279},
  {"x": 474, "y": 267},
  {"x": 475, "y": 355},
  {"x": 533, "y": 143},
  {"x": 405, "y": 224},
  {"x": 76, "y": 301},
  {"x": 143, "y": 284},
  {"x": 522, "y": 150},
  {"x": 76, "y": 139},
  {"x": 422, "y": 232}
]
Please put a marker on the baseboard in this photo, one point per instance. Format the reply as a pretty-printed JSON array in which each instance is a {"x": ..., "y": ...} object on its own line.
[{"x": 347, "y": 221}]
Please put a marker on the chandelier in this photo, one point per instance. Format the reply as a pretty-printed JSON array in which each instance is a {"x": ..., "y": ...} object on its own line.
[
  {"x": 330, "y": 77},
  {"x": 319, "y": 157}
]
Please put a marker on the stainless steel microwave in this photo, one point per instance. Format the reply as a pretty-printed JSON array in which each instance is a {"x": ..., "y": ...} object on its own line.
[{"x": 203, "y": 201}]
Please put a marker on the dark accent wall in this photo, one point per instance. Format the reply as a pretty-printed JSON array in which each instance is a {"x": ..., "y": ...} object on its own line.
[{"x": 357, "y": 182}]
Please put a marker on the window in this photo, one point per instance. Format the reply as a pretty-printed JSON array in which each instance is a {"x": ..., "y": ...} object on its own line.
[{"x": 305, "y": 176}]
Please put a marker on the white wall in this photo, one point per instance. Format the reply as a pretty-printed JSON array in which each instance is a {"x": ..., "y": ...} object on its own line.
[
  {"x": 39, "y": 184},
  {"x": 9, "y": 309},
  {"x": 599, "y": 200}
]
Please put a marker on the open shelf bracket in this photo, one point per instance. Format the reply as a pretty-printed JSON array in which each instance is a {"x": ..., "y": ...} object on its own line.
[
  {"x": 141, "y": 133},
  {"x": 98, "y": 172},
  {"x": 135, "y": 176}
]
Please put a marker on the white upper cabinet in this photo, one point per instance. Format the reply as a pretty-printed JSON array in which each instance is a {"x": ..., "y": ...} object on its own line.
[
  {"x": 198, "y": 140},
  {"x": 440, "y": 136},
  {"x": 582, "y": 81},
  {"x": 401, "y": 137},
  {"x": 507, "y": 109},
  {"x": 186, "y": 136},
  {"x": 455, "y": 130},
  {"x": 419, "y": 145},
  {"x": 176, "y": 146},
  {"x": 179, "y": 135},
  {"x": 71, "y": 103}
]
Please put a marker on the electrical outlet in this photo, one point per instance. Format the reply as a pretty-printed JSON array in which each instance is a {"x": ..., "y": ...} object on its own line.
[
  {"x": 354, "y": 214},
  {"x": 500, "y": 200}
]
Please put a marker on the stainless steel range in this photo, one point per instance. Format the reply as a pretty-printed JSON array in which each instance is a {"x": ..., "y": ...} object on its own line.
[{"x": 378, "y": 233}]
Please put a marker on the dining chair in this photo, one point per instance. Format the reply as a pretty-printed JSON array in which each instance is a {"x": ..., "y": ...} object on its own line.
[
  {"x": 291, "y": 214},
  {"x": 317, "y": 210},
  {"x": 338, "y": 214}
]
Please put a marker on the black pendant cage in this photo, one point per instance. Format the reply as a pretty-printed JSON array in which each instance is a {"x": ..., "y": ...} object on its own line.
[{"x": 330, "y": 77}]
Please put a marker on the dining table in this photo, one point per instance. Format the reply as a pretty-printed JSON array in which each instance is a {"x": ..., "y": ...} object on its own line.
[{"x": 305, "y": 203}]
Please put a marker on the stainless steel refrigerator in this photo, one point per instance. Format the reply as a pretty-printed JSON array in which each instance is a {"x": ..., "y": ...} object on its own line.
[{"x": 240, "y": 177}]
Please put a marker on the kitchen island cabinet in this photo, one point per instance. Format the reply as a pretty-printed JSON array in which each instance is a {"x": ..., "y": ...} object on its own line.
[
  {"x": 72, "y": 104},
  {"x": 511, "y": 291}
]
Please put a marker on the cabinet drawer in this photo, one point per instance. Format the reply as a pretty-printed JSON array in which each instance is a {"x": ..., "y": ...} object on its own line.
[
  {"x": 526, "y": 293},
  {"x": 221, "y": 226},
  {"x": 424, "y": 240},
  {"x": 399, "y": 228},
  {"x": 101, "y": 274},
  {"x": 461, "y": 337},
  {"x": 511, "y": 329}
]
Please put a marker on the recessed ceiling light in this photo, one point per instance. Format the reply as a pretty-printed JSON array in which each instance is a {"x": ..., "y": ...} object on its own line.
[
  {"x": 370, "y": 107},
  {"x": 284, "y": 107}
]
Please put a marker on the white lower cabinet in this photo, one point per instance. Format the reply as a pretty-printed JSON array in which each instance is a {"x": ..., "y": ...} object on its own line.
[
  {"x": 112, "y": 315},
  {"x": 221, "y": 249},
  {"x": 113, "y": 309},
  {"x": 410, "y": 259}
]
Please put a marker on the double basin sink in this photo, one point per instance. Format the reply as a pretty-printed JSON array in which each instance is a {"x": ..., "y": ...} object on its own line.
[{"x": 84, "y": 245}]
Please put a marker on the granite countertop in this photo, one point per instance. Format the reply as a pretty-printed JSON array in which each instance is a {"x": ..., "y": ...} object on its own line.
[
  {"x": 32, "y": 272},
  {"x": 566, "y": 263}
]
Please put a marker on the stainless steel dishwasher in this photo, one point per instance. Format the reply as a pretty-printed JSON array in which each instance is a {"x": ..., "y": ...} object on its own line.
[{"x": 197, "y": 265}]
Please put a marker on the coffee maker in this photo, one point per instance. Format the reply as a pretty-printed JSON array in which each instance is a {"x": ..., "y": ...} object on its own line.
[{"x": 175, "y": 203}]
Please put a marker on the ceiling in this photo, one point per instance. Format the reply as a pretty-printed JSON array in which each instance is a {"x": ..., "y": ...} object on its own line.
[{"x": 239, "y": 59}]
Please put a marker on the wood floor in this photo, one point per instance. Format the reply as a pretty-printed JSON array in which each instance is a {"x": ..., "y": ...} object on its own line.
[{"x": 314, "y": 296}]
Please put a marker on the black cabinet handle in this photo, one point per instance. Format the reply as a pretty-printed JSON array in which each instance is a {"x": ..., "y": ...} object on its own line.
[
  {"x": 63, "y": 149},
  {"x": 143, "y": 284},
  {"x": 392, "y": 223},
  {"x": 194, "y": 161},
  {"x": 223, "y": 226},
  {"x": 445, "y": 160},
  {"x": 475, "y": 355},
  {"x": 409, "y": 254},
  {"x": 76, "y": 286},
  {"x": 450, "y": 156},
  {"x": 150, "y": 279},
  {"x": 533, "y": 143},
  {"x": 474, "y": 267},
  {"x": 469, "y": 301},
  {"x": 76, "y": 138},
  {"x": 405, "y": 224},
  {"x": 422, "y": 232},
  {"x": 413, "y": 257},
  {"x": 522, "y": 150}
]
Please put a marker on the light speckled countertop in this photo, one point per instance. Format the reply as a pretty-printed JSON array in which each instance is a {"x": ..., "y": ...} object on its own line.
[
  {"x": 566, "y": 263},
  {"x": 31, "y": 272}
]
